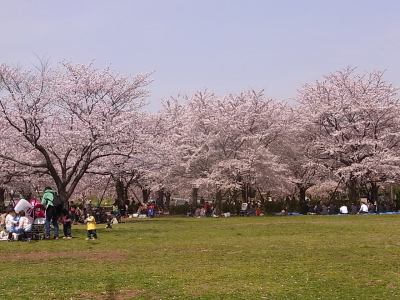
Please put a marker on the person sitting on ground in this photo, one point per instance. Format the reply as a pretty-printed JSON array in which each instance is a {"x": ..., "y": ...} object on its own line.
[
  {"x": 332, "y": 209},
  {"x": 343, "y": 210},
  {"x": 381, "y": 207},
  {"x": 372, "y": 208},
  {"x": 353, "y": 209},
  {"x": 202, "y": 212},
  {"x": 197, "y": 212},
  {"x": 4, "y": 234},
  {"x": 363, "y": 208},
  {"x": 3, "y": 220},
  {"x": 325, "y": 210},
  {"x": 10, "y": 223},
  {"x": 25, "y": 226},
  {"x": 318, "y": 208},
  {"x": 109, "y": 221}
]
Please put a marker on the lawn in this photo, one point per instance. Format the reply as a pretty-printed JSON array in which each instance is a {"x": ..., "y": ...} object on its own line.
[{"x": 288, "y": 257}]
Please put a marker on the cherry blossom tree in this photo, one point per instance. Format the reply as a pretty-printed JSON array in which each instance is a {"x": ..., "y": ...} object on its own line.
[
  {"x": 224, "y": 143},
  {"x": 302, "y": 170},
  {"x": 59, "y": 122},
  {"x": 148, "y": 167},
  {"x": 352, "y": 122}
]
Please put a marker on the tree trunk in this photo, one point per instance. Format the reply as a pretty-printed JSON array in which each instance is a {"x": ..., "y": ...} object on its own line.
[
  {"x": 167, "y": 199},
  {"x": 119, "y": 188},
  {"x": 160, "y": 198},
  {"x": 234, "y": 196},
  {"x": 64, "y": 198},
  {"x": 195, "y": 195},
  {"x": 374, "y": 192},
  {"x": 219, "y": 201},
  {"x": 248, "y": 192},
  {"x": 261, "y": 195},
  {"x": 302, "y": 193},
  {"x": 146, "y": 195},
  {"x": 302, "y": 199},
  {"x": 352, "y": 189},
  {"x": 244, "y": 193},
  {"x": 160, "y": 194},
  {"x": 2, "y": 204}
]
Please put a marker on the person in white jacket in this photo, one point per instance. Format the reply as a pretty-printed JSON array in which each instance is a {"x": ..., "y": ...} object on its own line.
[
  {"x": 10, "y": 223},
  {"x": 343, "y": 210},
  {"x": 25, "y": 225},
  {"x": 363, "y": 208}
]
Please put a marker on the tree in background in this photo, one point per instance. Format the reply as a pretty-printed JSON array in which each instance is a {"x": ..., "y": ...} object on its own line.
[
  {"x": 83, "y": 130},
  {"x": 224, "y": 143},
  {"x": 352, "y": 123},
  {"x": 59, "y": 121}
]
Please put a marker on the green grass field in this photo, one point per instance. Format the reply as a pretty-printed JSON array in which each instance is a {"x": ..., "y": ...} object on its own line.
[{"x": 290, "y": 257}]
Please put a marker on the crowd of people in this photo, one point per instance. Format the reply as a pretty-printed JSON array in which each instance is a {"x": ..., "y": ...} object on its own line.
[
  {"x": 17, "y": 221},
  {"x": 362, "y": 207},
  {"x": 17, "y": 225},
  {"x": 14, "y": 225},
  {"x": 210, "y": 209}
]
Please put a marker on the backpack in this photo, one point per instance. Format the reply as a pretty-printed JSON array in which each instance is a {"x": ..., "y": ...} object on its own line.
[{"x": 57, "y": 202}]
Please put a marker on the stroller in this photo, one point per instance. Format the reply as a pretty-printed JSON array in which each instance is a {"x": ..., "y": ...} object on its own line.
[
  {"x": 38, "y": 231},
  {"x": 35, "y": 211},
  {"x": 159, "y": 211}
]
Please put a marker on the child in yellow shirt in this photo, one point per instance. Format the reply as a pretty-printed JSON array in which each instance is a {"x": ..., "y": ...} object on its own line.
[{"x": 91, "y": 226}]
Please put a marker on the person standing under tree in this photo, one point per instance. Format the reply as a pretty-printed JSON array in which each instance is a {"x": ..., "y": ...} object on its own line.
[
  {"x": 72, "y": 211},
  {"x": 51, "y": 212},
  {"x": 67, "y": 220},
  {"x": 91, "y": 226}
]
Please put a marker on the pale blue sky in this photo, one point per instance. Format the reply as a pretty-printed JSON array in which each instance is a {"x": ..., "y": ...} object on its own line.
[{"x": 220, "y": 45}]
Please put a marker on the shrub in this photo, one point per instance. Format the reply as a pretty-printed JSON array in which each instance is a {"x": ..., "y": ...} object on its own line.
[
  {"x": 272, "y": 207},
  {"x": 231, "y": 208},
  {"x": 178, "y": 210}
]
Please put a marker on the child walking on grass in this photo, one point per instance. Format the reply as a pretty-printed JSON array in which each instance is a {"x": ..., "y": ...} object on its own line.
[
  {"x": 91, "y": 226},
  {"x": 67, "y": 227}
]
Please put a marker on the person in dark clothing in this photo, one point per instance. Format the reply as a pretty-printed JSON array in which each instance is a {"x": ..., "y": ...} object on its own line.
[
  {"x": 318, "y": 209},
  {"x": 67, "y": 224},
  {"x": 304, "y": 207},
  {"x": 332, "y": 209},
  {"x": 122, "y": 210},
  {"x": 325, "y": 210},
  {"x": 372, "y": 208},
  {"x": 353, "y": 209},
  {"x": 381, "y": 207},
  {"x": 72, "y": 211}
]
